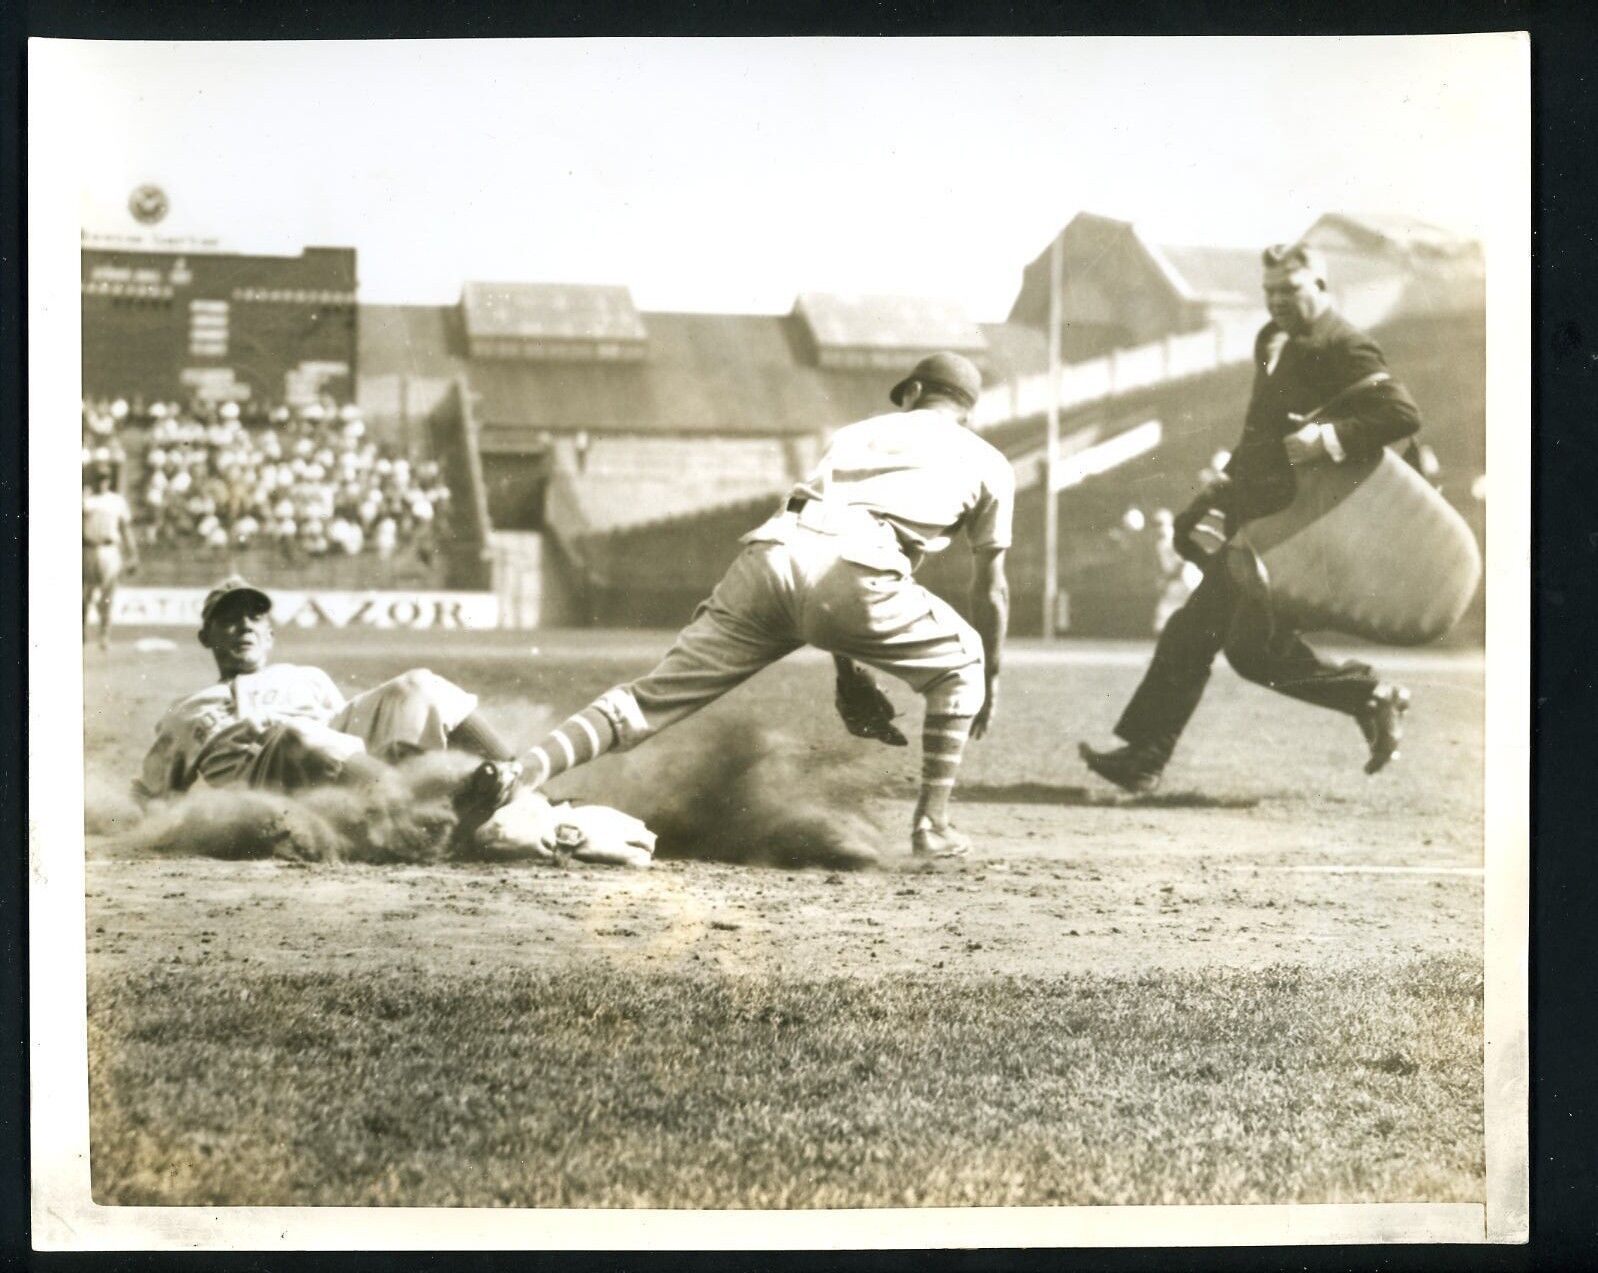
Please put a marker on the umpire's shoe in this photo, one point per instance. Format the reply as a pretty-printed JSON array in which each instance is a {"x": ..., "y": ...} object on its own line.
[
  {"x": 1131, "y": 768},
  {"x": 1381, "y": 720}
]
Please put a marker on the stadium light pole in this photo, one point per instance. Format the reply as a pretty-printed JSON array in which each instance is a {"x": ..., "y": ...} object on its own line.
[{"x": 1051, "y": 447}]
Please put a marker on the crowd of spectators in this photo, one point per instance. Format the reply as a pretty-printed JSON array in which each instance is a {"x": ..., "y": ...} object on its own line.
[{"x": 307, "y": 481}]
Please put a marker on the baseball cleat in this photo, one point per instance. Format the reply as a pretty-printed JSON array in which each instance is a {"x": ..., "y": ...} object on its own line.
[
  {"x": 487, "y": 789},
  {"x": 931, "y": 842},
  {"x": 1382, "y": 723},
  {"x": 1131, "y": 768}
]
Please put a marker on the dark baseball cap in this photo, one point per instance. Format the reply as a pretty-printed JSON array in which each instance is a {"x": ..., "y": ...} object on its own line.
[
  {"x": 949, "y": 372},
  {"x": 1283, "y": 259},
  {"x": 232, "y": 586}
]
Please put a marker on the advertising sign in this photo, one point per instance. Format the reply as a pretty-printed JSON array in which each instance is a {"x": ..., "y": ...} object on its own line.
[{"x": 180, "y": 607}]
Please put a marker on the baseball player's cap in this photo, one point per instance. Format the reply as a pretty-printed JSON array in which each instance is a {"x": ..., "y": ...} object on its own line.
[
  {"x": 947, "y": 371},
  {"x": 1283, "y": 259},
  {"x": 232, "y": 586}
]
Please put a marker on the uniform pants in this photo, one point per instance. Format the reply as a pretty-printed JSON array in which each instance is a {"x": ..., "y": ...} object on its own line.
[
  {"x": 778, "y": 596},
  {"x": 411, "y": 713},
  {"x": 1220, "y": 615},
  {"x": 102, "y": 566}
]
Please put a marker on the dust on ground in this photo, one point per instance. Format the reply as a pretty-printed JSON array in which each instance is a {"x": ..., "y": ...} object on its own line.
[{"x": 1265, "y": 846}]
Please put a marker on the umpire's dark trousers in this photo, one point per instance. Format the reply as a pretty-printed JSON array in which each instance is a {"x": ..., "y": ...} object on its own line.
[{"x": 1221, "y": 615}]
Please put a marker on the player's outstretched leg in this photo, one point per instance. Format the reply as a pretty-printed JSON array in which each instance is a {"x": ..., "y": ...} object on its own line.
[
  {"x": 580, "y": 738},
  {"x": 718, "y": 650},
  {"x": 943, "y": 740}
]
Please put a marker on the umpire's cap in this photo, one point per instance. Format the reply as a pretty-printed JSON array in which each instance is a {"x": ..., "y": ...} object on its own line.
[
  {"x": 232, "y": 586},
  {"x": 1283, "y": 259},
  {"x": 948, "y": 372}
]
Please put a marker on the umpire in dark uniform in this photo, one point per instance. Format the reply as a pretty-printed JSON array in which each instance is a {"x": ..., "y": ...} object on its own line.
[{"x": 1305, "y": 358}]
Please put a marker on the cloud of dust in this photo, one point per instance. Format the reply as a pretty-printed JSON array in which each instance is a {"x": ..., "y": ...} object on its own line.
[
  {"x": 714, "y": 789},
  {"x": 734, "y": 790},
  {"x": 405, "y": 819}
]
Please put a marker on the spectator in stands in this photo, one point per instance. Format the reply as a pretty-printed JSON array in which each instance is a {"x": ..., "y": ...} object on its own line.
[
  {"x": 1178, "y": 576},
  {"x": 385, "y": 537},
  {"x": 309, "y": 480}
]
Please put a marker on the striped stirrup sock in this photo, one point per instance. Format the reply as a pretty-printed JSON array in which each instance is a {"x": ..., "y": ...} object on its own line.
[
  {"x": 583, "y": 737},
  {"x": 943, "y": 740}
]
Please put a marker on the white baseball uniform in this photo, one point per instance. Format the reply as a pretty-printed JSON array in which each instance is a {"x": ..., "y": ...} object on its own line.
[
  {"x": 260, "y": 728},
  {"x": 832, "y": 568},
  {"x": 105, "y": 513}
]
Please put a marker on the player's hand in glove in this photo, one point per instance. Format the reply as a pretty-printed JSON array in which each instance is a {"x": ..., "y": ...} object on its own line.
[{"x": 866, "y": 711}]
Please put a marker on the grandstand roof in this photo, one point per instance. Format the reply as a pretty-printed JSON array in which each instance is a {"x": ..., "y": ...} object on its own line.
[
  {"x": 550, "y": 311},
  {"x": 703, "y": 373},
  {"x": 910, "y": 324},
  {"x": 709, "y": 373},
  {"x": 1391, "y": 233}
]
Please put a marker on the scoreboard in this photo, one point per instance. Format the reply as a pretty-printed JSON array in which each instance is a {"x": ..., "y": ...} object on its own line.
[{"x": 170, "y": 325}]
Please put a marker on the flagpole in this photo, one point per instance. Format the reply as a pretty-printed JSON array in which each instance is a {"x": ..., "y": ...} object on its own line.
[{"x": 1051, "y": 447}]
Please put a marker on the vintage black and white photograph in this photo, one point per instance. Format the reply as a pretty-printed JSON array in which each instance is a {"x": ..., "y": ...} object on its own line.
[{"x": 795, "y": 642}]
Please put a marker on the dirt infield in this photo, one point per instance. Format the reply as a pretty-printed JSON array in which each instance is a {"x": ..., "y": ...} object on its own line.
[
  {"x": 1266, "y": 843},
  {"x": 1267, "y": 847}
]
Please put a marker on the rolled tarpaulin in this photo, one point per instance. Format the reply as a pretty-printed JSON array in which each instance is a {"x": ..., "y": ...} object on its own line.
[{"x": 1368, "y": 548}]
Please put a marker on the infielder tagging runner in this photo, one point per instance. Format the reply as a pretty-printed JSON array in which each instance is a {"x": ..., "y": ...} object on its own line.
[
  {"x": 107, "y": 531},
  {"x": 286, "y": 727},
  {"x": 833, "y": 569}
]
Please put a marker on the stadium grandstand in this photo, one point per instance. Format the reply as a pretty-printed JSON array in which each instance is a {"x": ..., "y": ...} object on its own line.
[
  {"x": 1141, "y": 419},
  {"x": 592, "y": 463},
  {"x": 590, "y": 418}
]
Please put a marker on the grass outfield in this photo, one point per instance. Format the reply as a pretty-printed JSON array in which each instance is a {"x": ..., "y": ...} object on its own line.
[{"x": 602, "y": 1089}]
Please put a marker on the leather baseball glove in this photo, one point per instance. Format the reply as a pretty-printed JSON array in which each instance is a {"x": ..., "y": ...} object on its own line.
[
  {"x": 866, "y": 711},
  {"x": 487, "y": 789}
]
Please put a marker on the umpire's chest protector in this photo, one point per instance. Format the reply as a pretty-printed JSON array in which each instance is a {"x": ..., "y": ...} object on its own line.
[{"x": 1368, "y": 548}]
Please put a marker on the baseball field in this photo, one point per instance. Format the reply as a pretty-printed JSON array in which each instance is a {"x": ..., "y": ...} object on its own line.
[{"x": 1263, "y": 983}]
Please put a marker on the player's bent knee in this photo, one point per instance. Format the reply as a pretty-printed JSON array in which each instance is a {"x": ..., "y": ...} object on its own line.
[
  {"x": 424, "y": 685},
  {"x": 960, "y": 692},
  {"x": 1248, "y": 659}
]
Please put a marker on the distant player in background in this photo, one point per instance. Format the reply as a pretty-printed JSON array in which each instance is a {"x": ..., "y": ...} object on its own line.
[
  {"x": 833, "y": 568},
  {"x": 107, "y": 535}
]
